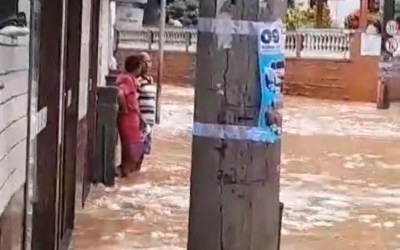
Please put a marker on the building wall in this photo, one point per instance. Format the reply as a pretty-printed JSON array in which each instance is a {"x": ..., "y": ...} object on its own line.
[
  {"x": 394, "y": 89},
  {"x": 336, "y": 80},
  {"x": 105, "y": 41},
  {"x": 14, "y": 62},
  {"x": 179, "y": 67},
  {"x": 83, "y": 102},
  {"x": 104, "y": 51},
  {"x": 354, "y": 79}
]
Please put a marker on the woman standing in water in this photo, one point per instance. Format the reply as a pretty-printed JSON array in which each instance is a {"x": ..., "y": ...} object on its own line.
[{"x": 129, "y": 119}]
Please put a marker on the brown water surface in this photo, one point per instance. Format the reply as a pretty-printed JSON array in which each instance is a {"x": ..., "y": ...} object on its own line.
[{"x": 340, "y": 182}]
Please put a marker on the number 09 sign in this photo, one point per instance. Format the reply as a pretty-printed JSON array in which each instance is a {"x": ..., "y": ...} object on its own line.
[
  {"x": 270, "y": 36},
  {"x": 271, "y": 65},
  {"x": 270, "y": 39}
]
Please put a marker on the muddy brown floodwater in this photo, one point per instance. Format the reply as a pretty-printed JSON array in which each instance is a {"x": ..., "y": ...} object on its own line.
[{"x": 340, "y": 182}]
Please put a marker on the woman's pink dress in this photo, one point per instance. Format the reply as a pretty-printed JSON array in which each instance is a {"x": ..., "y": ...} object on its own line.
[{"x": 129, "y": 124}]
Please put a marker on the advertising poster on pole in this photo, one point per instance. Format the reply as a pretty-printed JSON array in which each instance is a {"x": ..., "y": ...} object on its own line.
[{"x": 271, "y": 62}]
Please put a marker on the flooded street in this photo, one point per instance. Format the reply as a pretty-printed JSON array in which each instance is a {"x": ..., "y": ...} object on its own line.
[{"x": 340, "y": 182}]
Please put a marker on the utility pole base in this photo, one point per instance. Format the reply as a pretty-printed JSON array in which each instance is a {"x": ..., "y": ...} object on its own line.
[{"x": 234, "y": 198}]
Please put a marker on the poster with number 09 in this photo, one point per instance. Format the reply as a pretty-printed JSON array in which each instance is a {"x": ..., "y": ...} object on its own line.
[{"x": 271, "y": 63}]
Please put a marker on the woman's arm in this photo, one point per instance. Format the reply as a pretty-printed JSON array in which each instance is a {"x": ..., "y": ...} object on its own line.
[{"x": 123, "y": 107}]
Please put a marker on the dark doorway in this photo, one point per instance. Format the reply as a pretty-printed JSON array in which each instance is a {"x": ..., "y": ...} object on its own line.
[
  {"x": 70, "y": 121},
  {"x": 93, "y": 79},
  {"x": 45, "y": 209},
  {"x": 58, "y": 87},
  {"x": 8, "y": 8}
]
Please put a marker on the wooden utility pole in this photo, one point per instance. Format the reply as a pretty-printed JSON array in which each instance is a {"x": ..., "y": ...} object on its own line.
[{"x": 234, "y": 203}]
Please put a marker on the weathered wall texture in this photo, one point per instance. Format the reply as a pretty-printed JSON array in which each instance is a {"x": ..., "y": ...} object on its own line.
[
  {"x": 354, "y": 79},
  {"x": 14, "y": 62}
]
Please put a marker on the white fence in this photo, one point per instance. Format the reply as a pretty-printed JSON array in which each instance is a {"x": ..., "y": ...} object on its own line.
[
  {"x": 307, "y": 43},
  {"x": 318, "y": 43}
]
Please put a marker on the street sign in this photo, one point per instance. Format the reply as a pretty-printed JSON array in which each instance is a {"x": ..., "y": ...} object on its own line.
[
  {"x": 392, "y": 27},
  {"x": 391, "y": 45}
]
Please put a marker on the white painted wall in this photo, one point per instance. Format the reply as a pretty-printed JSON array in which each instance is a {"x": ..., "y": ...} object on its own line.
[
  {"x": 105, "y": 41},
  {"x": 14, "y": 63},
  {"x": 85, "y": 52},
  {"x": 111, "y": 23},
  {"x": 340, "y": 9},
  {"x": 105, "y": 51}
]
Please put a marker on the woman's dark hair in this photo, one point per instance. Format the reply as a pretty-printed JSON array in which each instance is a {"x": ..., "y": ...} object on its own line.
[{"x": 133, "y": 63}]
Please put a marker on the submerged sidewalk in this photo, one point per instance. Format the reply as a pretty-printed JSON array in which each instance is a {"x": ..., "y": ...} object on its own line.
[{"x": 340, "y": 182}]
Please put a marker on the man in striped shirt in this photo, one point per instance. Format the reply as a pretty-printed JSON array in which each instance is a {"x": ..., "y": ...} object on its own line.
[{"x": 147, "y": 99}]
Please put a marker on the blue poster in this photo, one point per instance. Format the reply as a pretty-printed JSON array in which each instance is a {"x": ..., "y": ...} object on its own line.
[
  {"x": 271, "y": 63},
  {"x": 271, "y": 44}
]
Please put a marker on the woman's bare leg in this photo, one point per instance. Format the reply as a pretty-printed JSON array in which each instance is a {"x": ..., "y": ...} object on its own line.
[
  {"x": 138, "y": 165},
  {"x": 125, "y": 171},
  {"x": 126, "y": 161}
]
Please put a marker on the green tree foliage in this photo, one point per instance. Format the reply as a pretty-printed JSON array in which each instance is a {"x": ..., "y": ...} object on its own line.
[
  {"x": 297, "y": 18},
  {"x": 186, "y": 11}
]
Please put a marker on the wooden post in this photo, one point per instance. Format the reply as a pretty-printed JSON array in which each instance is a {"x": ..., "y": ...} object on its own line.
[
  {"x": 150, "y": 39},
  {"x": 299, "y": 44},
  {"x": 383, "y": 101},
  {"x": 45, "y": 212},
  {"x": 363, "y": 22},
  {"x": 187, "y": 41},
  {"x": 106, "y": 136},
  {"x": 234, "y": 202},
  {"x": 388, "y": 12},
  {"x": 319, "y": 13}
]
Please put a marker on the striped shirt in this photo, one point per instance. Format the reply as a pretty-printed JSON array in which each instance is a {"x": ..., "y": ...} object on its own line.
[{"x": 147, "y": 100}]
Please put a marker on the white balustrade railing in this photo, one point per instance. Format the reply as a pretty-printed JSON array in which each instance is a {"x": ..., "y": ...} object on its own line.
[
  {"x": 291, "y": 43},
  {"x": 148, "y": 38},
  {"x": 307, "y": 43},
  {"x": 325, "y": 43}
]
